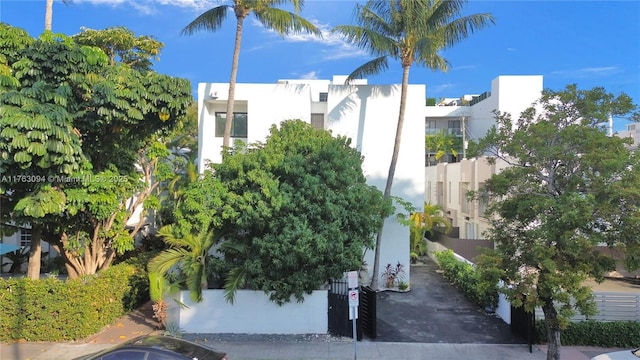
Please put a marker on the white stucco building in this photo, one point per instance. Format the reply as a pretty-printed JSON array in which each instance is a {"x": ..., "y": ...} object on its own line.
[
  {"x": 365, "y": 113},
  {"x": 447, "y": 182}
]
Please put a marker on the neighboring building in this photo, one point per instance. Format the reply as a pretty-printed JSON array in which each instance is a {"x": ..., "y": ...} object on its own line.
[
  {"x": 633, "y": 132},
  {"x": 365, "y": 113},
  {"x": 447, "y": 181}
]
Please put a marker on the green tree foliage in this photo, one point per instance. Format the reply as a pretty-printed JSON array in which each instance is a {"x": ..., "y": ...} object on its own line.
[
  {"x": 426, "y": 221},
  {"x": 73, "y": 129},
  {"x": 122, "y": 46},
  {"x": 268, "y": 14},
  {"x": 410, "y": 32},
  {"x": 567, "y": 189},
  {"x": 295, "y": 211},
  {"x": 442, "y": 143}
]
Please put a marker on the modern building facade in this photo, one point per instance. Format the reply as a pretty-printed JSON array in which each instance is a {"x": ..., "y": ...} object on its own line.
[
  {"x": 366, "y": 113},
  {"x": 448, "y": 180}
]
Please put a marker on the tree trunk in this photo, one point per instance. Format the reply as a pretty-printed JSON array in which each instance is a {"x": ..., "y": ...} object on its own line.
[
  {"x": 232, "y": 84},
  {"x": 553, "y": 330},
  {"x": 35, "y": 253},
  {"x": 48, "y": 15},
  {"x": 392, "y": 171}
]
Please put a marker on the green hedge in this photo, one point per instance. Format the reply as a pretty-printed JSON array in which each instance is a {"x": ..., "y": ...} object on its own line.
[
  {"x": 615, "y": 334},
  {"x": 53, "y": 310},
  {"x": 464, "y": 276}
]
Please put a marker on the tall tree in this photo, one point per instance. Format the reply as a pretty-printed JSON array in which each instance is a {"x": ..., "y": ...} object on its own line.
[
  {"x": 48, "y": 15},
  {"x": 40, "y": 86},
  {"x": 267, "y": 13},
  {"x": 411, "y": 32},
  {"x": 73, "y": 130},
  {"x": 567, "y": 189},
  {"x": 122, "y": 46}
]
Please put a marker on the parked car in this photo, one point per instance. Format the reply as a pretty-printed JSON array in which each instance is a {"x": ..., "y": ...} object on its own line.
[
  {"x": 152, "y": 347},
  {"x": 619, "y": 355}
]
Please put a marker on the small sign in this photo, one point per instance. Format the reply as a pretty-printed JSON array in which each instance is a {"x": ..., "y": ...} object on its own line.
[
  {"x": 353, "y": 298},
  {"x": 353, "y": 312},
  {"x": 353, "y": 279}
]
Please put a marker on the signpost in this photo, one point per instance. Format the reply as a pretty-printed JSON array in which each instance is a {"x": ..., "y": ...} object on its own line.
[{"x": 354, "y": 302}]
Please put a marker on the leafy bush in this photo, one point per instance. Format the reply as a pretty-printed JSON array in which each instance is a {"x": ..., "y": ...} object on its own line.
[
  {"x": 465, "y": 277},
  {"x": 52, "y": 310},
  {"x": 620, "y": 334}
]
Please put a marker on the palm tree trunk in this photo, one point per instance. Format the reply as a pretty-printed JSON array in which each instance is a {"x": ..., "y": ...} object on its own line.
[
  {"x": 392, "y": 169},
  {"x": 48, "y": 15},
  {"x": 232, "y": 84}
]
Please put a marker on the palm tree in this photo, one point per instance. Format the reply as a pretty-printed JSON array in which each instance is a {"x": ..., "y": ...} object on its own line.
[
  {"x": 410, "y": 31},
  {"x": 189, "y": 254},
  {"x": 48, "y": 15},
  {"x": 266, "y": 12}
]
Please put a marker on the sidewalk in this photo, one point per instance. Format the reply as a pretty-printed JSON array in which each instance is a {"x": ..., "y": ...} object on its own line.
[{"x": 140, "y": 322}]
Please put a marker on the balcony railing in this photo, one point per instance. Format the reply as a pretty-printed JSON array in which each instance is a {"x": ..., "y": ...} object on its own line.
[{"x": 452, "y": 131}]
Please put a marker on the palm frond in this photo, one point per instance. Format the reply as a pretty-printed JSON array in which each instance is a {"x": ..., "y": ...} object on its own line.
[
  {"x": 194, "y": 282},
  {"x": 460, "y": 29},
  {"x": 372, "y": 67},
  {"x": 167, "y": 259},
  {"x": 210, "y": 20},
  {"x": 284, "y": 22},
  {"x": 235, "y": 281}
]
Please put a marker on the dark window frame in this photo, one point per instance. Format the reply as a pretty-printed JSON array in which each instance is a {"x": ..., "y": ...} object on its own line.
[{"x": 236, "y": 127}]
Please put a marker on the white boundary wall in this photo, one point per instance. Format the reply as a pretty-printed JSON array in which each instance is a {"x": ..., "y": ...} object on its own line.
[{"x": 251, "y": 313}]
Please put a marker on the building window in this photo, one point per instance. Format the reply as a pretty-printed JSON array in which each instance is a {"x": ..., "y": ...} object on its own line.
[
  {"x": 483, "y": 199},
  {"x": 317, "y": 121},
  {"x": 25, "y": 237},
  {"x": 455, "y": 128},
  {"x": 465, "y": 204},
  {"x": 238, "y": 125},
  {"x": 324, "y": 96},
  {"x": 440, "y": 193},
  {"x": 470, "y": 230}
]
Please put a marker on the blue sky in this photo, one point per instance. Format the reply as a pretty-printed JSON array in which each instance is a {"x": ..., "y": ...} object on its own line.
[{"x": 591, "y": 43}]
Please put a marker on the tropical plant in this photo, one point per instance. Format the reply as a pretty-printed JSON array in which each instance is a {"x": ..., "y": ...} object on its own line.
[
  {"x": 266, "y": 12},
  {"x": 442, "y": 143},
  {"x": 393, "y": 274},
  {"x": 295, "y": 210},
  {"x": 422, "y": 222},
  {"x": 189, "y": 255},
  {"x": 18, "y": 258},
  {"x": 409, "y": 31},
  {"x": 567, "y": 188}
]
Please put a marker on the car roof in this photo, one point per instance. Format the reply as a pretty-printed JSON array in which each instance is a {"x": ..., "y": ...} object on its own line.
[{"x": 176, "y": 345}]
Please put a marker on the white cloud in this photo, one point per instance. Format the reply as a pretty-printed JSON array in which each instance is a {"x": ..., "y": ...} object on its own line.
[
  {"x": 439, "y": 88},
  {"x": 587, "y": 71},
  {"x": 511, "y": 49},
  {"x": 465, "y": 67},
  {"x": 337, "y": 47},
  {"x": 311, "y": 75},
  {"x": 151, "y": 6}
]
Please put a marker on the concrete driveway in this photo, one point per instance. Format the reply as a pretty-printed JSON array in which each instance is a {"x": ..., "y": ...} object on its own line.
[{"x": 434, "y": 311}]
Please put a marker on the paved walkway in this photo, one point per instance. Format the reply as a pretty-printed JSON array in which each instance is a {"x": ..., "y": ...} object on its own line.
[{"x": 434, "y": 311}]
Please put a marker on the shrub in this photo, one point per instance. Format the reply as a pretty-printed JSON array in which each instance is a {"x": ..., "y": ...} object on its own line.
[
  {"x": 52, "y": 310},
  {"x": 614, "y": 334},
  {"x": 465, "y": 277}
]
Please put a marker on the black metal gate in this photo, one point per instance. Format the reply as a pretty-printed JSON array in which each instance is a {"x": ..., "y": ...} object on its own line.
[
  {"x": 339, "y": 323},
  {"x": 523, "y": 324},
  {"x": 367, "y": 312}
]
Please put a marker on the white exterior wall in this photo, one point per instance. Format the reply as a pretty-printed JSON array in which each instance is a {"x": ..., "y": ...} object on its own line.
[
  {"x": 365, "y": 113},
  {"x": 251, "y": 313}
]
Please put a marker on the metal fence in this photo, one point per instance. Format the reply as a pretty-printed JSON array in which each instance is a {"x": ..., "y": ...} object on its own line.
[{"x": 612, "y": 306}]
